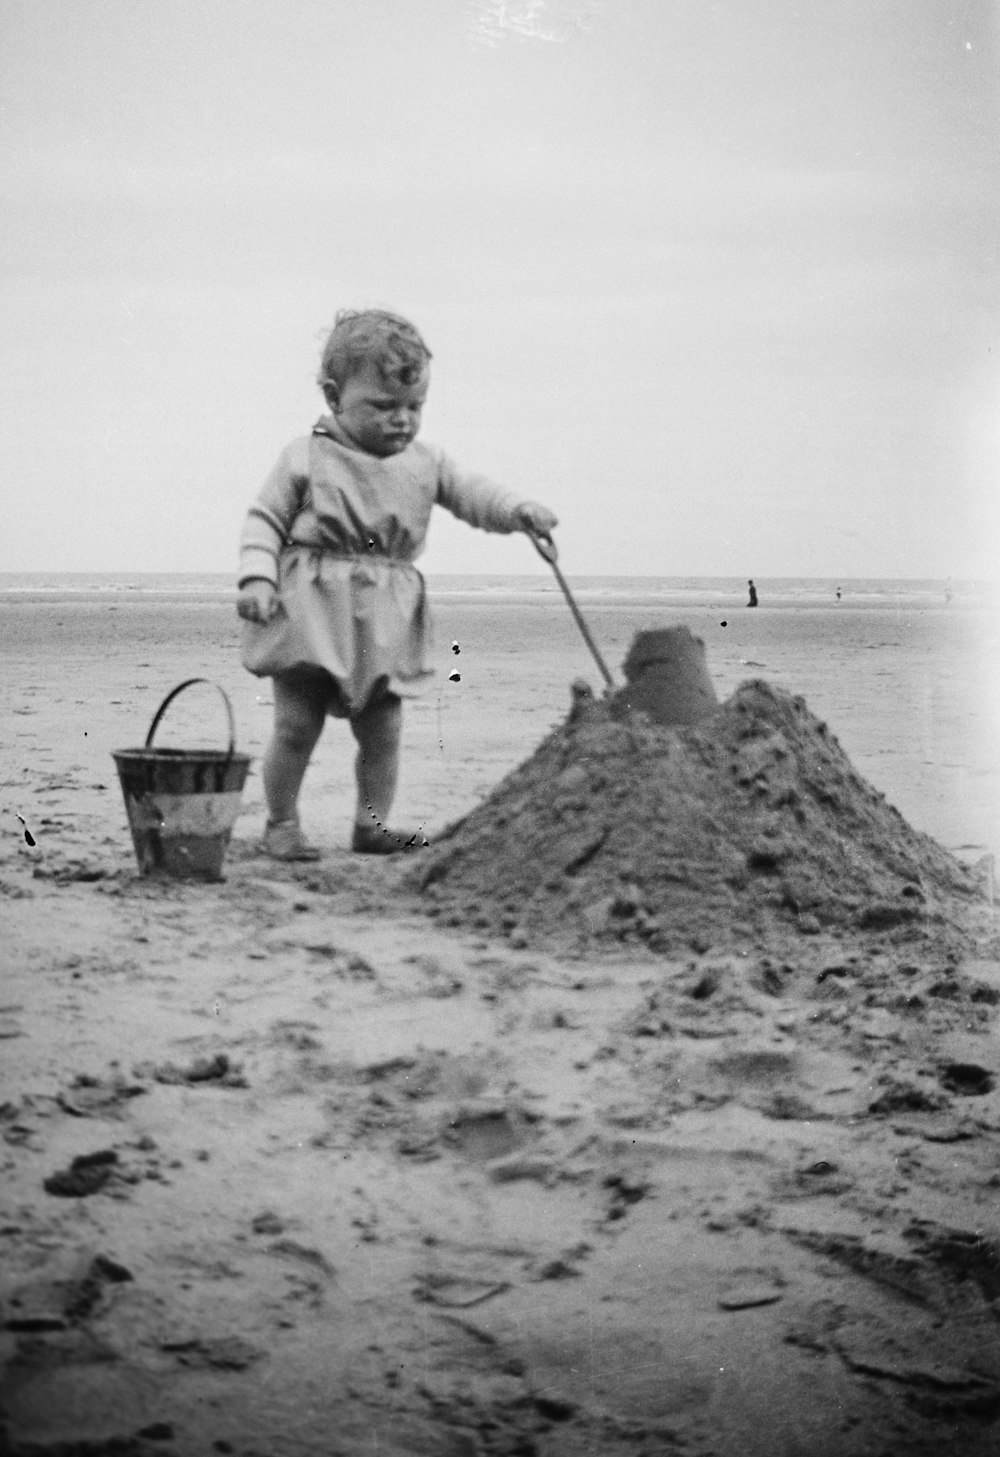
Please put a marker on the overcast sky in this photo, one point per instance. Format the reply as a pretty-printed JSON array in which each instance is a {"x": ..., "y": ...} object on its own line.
[{"x": 716, "y": 279}]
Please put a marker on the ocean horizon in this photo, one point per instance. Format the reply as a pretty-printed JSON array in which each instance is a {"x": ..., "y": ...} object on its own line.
[{"x": 869, "y": 592}]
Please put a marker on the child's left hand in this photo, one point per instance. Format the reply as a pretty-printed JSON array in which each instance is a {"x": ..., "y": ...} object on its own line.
[{"x": 532, "y": 516}]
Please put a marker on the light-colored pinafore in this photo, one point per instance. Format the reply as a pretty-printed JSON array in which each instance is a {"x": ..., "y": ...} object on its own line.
[{"x": 337, "y": 531}]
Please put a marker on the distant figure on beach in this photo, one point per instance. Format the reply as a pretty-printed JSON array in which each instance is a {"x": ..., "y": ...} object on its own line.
[
  {"x": 838, "y": 594},
  {"x": 334, "y": 611},
  {"x": 753, "y": 594}
]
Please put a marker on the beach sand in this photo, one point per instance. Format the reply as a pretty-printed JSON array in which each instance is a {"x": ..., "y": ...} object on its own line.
[{"x": 290, "y": 1166}]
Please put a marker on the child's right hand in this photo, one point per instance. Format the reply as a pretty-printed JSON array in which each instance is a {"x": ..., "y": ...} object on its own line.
[{"x": 258, "y": 600}]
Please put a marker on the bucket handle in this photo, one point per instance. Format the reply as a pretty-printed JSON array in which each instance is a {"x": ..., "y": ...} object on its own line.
[{"x": 180, "y": 689}]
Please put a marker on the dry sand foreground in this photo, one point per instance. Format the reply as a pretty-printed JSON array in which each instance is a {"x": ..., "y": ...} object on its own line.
[{"x": 290, "y": 1167}]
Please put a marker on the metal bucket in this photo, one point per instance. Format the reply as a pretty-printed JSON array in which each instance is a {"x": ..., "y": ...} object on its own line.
[{"x": 182, "y": 803}]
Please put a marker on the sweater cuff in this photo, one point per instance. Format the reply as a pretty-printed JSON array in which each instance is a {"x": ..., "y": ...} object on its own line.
[{"x": 257, "y": 561}]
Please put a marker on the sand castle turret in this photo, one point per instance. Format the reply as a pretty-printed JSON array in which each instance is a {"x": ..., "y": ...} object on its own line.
[{"x": 667, "y": 677}]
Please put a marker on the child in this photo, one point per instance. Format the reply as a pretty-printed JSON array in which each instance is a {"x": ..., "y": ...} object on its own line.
[{"x": 334, "y": 609}]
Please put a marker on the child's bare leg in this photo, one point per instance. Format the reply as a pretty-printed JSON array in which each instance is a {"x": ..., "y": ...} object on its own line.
[
  {"x": 299, "y": 715},
  {"x": 378, "y": 731}
]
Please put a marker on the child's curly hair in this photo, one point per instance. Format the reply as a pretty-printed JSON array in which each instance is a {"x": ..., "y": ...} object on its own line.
[{"x": 372, "y": 336}]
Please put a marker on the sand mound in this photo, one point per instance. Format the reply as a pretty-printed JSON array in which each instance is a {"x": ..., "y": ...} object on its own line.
[{"x": 620, "y": 830}]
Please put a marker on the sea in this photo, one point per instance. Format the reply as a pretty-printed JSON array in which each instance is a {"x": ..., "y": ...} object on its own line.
[{"x": 774, "y": 592}]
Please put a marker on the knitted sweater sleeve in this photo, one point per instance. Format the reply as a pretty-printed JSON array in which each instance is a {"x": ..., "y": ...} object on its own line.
[
  {"x": 475, "y": 498},
  {"x": 269, "y": 519}
]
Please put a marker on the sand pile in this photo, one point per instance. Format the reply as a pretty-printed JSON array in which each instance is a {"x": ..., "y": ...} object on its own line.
[{"x": 621, "y": 830}]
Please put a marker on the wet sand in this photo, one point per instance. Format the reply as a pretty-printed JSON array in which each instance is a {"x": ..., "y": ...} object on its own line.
[{"x": 289, "y": 1167}]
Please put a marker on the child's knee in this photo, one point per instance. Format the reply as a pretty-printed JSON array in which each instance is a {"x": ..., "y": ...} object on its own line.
[
  {"x": 297, "y": 737},
  {"x": 379, "y": 728},
  {"x": 298, "y": 723}
]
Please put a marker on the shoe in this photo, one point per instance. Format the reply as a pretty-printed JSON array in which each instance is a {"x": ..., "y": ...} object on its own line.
[
  {"x": 284, "y": 840},
  {"x": 375, "y": 840}
]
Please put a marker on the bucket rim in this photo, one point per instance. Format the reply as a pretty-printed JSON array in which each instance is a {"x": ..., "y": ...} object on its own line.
[{"x": 178, "y": 756}]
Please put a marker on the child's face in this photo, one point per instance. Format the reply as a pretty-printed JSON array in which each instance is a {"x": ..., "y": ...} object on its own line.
[{"x": 380, "y": 415}]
